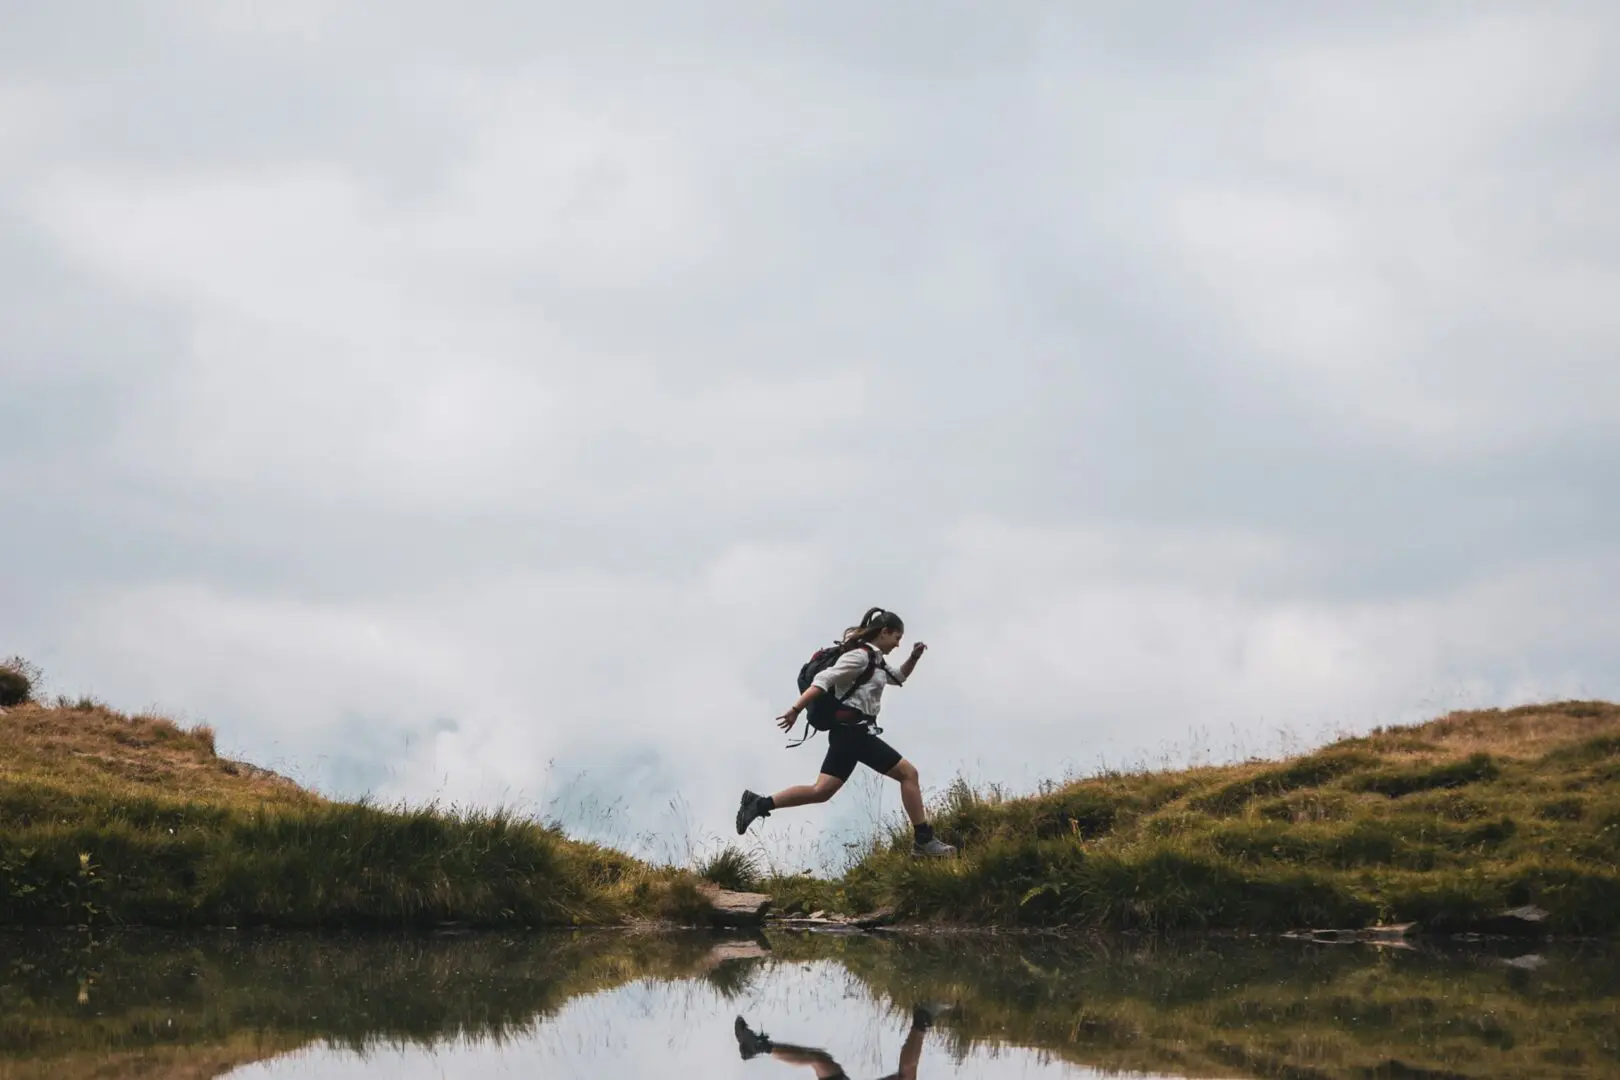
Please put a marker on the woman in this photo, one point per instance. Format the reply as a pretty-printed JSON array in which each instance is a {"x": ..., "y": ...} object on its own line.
[{"x": 856, "y": 681}]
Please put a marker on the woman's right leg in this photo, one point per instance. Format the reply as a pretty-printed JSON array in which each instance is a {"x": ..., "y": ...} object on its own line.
[
  {"x": 835, "y": 769},
  {"x": 823, "y": 789},
  {"x": 840, "y": 761}
]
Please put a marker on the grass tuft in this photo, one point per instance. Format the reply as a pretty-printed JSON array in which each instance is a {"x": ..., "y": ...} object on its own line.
[{"x": 731, "y": 868}]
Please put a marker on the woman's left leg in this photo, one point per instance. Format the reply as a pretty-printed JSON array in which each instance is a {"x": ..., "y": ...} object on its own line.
[
  {"x": 910, "y": 790},
  {"x": 880, "y": 756}
]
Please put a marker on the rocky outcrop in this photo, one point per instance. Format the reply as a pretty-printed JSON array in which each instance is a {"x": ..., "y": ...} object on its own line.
[{"x": 727, "y": 908}]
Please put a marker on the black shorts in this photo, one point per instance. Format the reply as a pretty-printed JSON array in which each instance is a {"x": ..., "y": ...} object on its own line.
[{"x": 849, "y": 745}]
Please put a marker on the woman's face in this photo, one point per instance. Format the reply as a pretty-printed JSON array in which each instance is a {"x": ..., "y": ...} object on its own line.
[{"x": 888, "y": 639}]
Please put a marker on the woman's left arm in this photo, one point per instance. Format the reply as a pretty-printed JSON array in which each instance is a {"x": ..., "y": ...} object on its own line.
[{"x": 911, "y": 661}]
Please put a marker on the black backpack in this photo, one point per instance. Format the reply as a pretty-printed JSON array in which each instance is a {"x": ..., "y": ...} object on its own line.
[{"x": 819, "y": 716}]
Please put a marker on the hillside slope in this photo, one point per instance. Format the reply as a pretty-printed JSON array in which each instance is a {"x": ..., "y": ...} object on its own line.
[
  {"x": 114, "y": 819},
  {"x": 1446, "y": 824}
]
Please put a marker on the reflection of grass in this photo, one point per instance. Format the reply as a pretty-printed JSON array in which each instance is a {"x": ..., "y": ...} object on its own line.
[
  {"x": 180, "y": 836},
  {"x": 1208, "y": 1008},
  {"x": 145, "y": 1000},
  {"x": 173, "y": 1006},
  {"x": 1446, "y": 823}
]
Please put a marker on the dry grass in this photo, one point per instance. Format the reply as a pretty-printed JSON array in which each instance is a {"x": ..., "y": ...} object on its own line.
[
  {"x": 1526, "y": 732},
  {"x": 96, "y": 748},
  {"x": 159, "y": 1062}
]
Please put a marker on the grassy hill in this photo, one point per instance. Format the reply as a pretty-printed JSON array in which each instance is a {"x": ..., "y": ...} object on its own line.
[
  {"x": 114, "y": 819},
  {"x": 1447, "y": 824}
]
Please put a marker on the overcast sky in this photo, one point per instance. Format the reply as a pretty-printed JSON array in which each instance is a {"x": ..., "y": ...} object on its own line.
[{"x": 498, "y": 402}]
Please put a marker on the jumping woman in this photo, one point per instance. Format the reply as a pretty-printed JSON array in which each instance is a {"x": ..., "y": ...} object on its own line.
[{"x": 855, "y": 683}]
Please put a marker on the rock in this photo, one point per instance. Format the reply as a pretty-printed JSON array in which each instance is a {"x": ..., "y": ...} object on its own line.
[
  {"x": 729, "y": 908},
  {"x": 1523, "y": 921},
  {"x": 729, "y": 951},
  {"x": 825, "y": 923},
  {"x": 1395, "y": 934},
  {"x": 1527, "y": 962},
  {"x": 873, "y": 919}
]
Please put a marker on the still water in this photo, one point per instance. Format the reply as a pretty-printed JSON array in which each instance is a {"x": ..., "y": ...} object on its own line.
[{"x": 260, "y": 1007}]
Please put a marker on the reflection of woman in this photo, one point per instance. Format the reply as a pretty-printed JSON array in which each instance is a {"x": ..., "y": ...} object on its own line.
[{"x": 751, "y": 1044}]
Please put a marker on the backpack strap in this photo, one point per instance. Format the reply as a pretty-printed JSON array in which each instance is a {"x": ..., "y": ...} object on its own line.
[{"x": 871, "y": 666}]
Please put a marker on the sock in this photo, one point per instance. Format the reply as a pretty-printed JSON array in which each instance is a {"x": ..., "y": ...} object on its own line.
[
  {"x": 925, "y": 832},
  {"x": 765, "y": 804}
]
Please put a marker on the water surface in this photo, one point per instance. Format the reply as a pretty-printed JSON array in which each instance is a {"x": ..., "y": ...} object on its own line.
[{"x": 608, "y": 1004}]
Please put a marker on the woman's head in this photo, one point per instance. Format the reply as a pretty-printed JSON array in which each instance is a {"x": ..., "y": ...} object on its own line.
[{"x": 878, "y": 627}]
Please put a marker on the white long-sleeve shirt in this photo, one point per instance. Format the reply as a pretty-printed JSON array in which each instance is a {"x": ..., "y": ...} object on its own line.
[{"x": 868, "y": 697}]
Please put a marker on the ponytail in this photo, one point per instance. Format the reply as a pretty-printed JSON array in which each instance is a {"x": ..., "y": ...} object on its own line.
[{"x": 874, "y": 622}]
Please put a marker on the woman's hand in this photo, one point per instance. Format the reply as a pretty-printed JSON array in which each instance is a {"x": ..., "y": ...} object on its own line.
[
  {"x": 788, "y": 719},
  {"x": 918, "y": 649}
]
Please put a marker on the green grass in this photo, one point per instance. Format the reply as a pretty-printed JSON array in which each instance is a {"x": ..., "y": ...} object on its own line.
[{"x": 1447, "y": 824}]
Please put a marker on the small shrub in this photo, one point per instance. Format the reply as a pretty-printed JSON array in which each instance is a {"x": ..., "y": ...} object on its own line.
[
  {"x": 17, "y": 681},
  {"x": 731, "y": 868},
  {"x": 204, "y": 734}
]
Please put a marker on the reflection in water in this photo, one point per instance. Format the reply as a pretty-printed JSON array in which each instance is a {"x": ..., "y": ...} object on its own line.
[
  {"x": 751, "y": 1044},
  {"x": 611, "y": 1004}
]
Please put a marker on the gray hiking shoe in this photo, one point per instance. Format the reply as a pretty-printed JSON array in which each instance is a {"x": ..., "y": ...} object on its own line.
[
  {"x": 748, "y": 810},
  {"x": 934, "y": 848}
]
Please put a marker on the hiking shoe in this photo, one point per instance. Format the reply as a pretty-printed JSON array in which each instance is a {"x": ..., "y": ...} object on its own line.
[
  {"x": 927, "y": 1012},
  {"x": 935, "y": 848},
  {"x": 750, "y": 1045},
  {"x": 748, "y": 811}
]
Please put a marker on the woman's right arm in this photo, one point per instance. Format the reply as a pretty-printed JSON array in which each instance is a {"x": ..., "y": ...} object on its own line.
[{"x": 787, "y": 719}]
